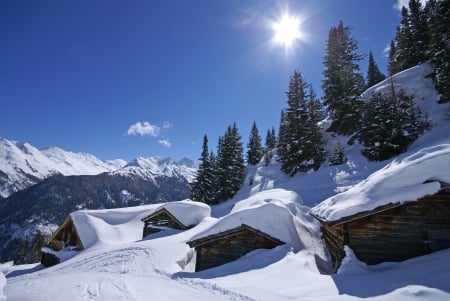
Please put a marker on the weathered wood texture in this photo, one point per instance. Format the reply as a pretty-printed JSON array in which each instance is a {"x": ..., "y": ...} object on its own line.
[
  {"x": 48, "y": 259},
  {"x": 161, "y": 218},
  {"x": 231, "y": 246},
  {"x": 66, "y": 235},
  {"x": 396, "y": 234}
]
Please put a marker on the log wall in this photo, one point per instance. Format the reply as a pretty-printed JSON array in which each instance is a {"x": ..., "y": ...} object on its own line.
[
  {"x": 230, "y": 248},
  {"x": 396, "y": 234}
]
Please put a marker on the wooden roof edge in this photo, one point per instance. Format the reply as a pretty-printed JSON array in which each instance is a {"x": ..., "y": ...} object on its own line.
[
  {"x": 216, "y": 236},
  {"x": 161, "y": 210},
  {"x": 376, "y": 210},
  {"x": 63, "y": 225}
]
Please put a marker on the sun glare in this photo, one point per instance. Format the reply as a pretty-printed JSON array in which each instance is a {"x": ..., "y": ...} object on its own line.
[{"x": 287, "y": 30}]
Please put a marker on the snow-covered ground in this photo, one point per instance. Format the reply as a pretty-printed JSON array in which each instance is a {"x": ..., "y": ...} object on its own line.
[{"x": 161, "y": 267}]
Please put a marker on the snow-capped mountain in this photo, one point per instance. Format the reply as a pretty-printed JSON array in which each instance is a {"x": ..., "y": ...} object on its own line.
[
  {"x": 22, "y": 165},
  {"x": 149, "y": 168}
]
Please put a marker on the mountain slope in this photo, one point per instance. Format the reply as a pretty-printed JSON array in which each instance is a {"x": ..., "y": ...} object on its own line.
[{"x": 22, "y": 165}]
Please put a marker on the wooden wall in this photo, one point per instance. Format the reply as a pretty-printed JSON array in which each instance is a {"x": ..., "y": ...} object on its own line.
[
  {"x": 230, "y": 248},
  {"x": 396, "y": 234}
]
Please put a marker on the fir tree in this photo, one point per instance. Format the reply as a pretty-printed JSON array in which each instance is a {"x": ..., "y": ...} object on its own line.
[
  {"x": 418, "y": 28},
  {"x": 392, "y": 62},
  {"x": 270, "y": 144},
  {"x": 338, "y": 156},
  {"x": 255, "y": 150},
  {"x": 230, "y": 168},
  {"x": 202, "y": 189},
  {"x": 391, "y": 123},
  {"x": 343, "y": 82},
  {"x": 300, "y": 142},
  {"x": 438, "y": 23},
  {"x": 374, "y": 75},
  {"x": 404, "y": 46}
]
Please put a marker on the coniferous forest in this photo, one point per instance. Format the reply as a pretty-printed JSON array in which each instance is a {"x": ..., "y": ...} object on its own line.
[{"x": 385, "y": 124}]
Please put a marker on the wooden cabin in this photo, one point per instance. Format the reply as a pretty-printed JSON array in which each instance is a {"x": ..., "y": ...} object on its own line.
[
  {"x": 393, "y": 232},
  {"x": 65, "y": 236},
  {"x": 227, "y": 246},
  {"x": 161, "y": 218}
]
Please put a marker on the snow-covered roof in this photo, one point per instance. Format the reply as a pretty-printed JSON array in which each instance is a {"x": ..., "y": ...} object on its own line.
[
  {"x": 273, "y": 212},
  {"x": 187, "y": 212},
  {"x": 400, "y": 181},
  {"x": 123, "y": 225},
  {"x": 110, "y": 226}
]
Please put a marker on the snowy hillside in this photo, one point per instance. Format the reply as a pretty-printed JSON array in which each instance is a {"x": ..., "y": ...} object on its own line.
[{"x": 161, "y": 266}]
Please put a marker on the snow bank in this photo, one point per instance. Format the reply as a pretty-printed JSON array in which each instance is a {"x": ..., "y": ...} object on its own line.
[
  {"x": 398, "y": 182},
  {"x": 274, "y": 212},
  {"x": 2, "y": 285}
]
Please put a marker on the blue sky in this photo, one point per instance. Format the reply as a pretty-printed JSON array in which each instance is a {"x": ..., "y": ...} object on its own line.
[{"x": 122, "y": 79}]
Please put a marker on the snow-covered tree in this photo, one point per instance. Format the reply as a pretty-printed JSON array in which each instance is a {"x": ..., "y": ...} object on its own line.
[
  {"x": 343, "y": 81},
  {"x": 391, "y": 122},
  {"x": 254, "y": 147},
  {"x": 439, "y": 48},
  {"x": 300, "y": 145},
  {"x": 338, "y": 155}
]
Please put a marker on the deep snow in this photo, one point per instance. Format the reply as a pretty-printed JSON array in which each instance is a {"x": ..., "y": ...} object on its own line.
[{"x": 161, "y": 266}]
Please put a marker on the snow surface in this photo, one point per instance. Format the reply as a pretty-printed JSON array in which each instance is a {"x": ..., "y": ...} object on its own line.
[
  {"x": 398, "y": 182},
  {"x": 161, "y": 267},
  {"x": 188, "y": 212}
]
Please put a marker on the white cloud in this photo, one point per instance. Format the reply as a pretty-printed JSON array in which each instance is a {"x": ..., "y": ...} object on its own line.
[
  {"x": 143, "y": 129},
  {"x": 165, "y": 142},
  {"x": 400, "y": 3}
]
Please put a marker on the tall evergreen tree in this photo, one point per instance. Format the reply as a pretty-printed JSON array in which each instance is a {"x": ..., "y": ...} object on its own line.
[
  {"x": 392, "y": 62},
  {"x": 271, "y": 139},
  {"x": 374, "y": 75},
  {"x": 438, "y": 22},
  {"x": 419, "y": 31},
  {"x": 230, "y": 168},
  {"x": 404, "y": 47},
  {"x": 254, "y": 147},
  {"x": 202, "y": 189},
  {"x": 300, "y": 146},
  {"x": 343, "y": 82}
]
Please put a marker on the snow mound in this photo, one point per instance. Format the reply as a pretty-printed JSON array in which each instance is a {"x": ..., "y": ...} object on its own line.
[
  {"x": 188, "y": 212},
  {"x": 105, "y": 227},
  {"x": 274, "y": 212},
  {"x": 400, "y": 181},
  {"x": 110, "y": 226}
]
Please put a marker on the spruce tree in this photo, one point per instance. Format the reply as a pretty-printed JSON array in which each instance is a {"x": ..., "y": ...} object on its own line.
[
  {"x": 254, "y": 147},
  {"x": 202, "y": 189},
  {"x": 391, "y": 123},
  {"x": 270, "y": 144},
  {"x": 438, "y": 22},
  {"x": 230, "y": 168},
  {"x": 300, "y": 142},
  {"x": 343, "y": 82},
  {"x": 419, "y": 32},
  {"x": 374, "y": 75},
  {"x": 392, "y": 62}
]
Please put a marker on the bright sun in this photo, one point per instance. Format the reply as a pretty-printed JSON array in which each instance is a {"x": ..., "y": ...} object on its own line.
[{"x": 287, "y": 30}]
